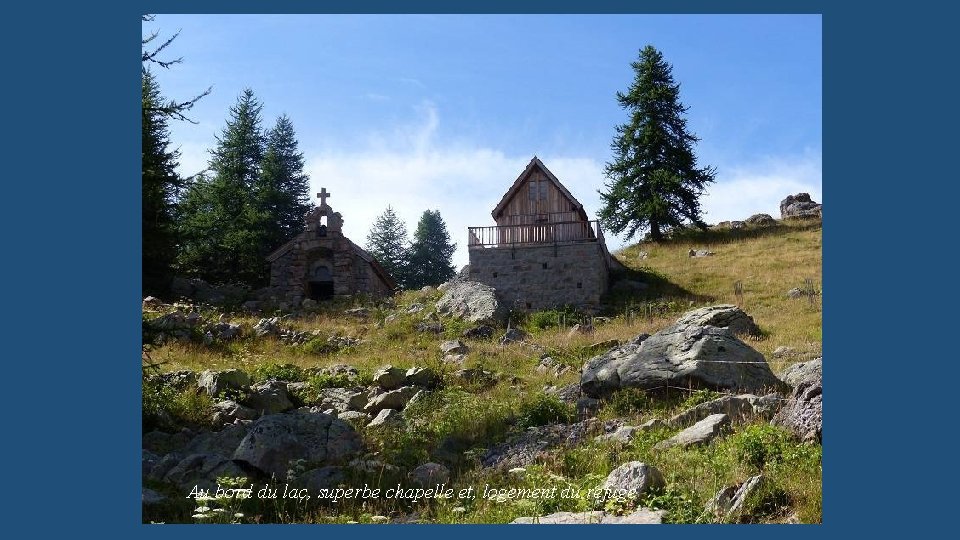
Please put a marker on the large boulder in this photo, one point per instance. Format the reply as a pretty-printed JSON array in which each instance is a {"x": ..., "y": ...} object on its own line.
[
  {"x": 800, "y": 206},
  {"x": 472, "y": 301},
  {"x": 721, "y": 316},
  {"x": 390, "y": 378},
  {"x": 680, "y": 356},
  {"x": 803, "y": 412},
  {"x": 394, "y": 399},
  {"x": 221, "y": 443},
  {"x": 761, "y": 220},
  {"x": 276, "y": 439},
  {"x": 342, "y": 399}
]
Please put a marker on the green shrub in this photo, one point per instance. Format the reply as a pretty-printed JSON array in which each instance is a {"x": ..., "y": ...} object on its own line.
[
  {"x": 681, "y": 506},
  {"x": 165, "y": 408},
  {"x": 760, "y": 444},
  {"x": 552, "y": 318},
  {"x": 629, "y": 401},
  {"x": 698, "y": 397},
  {"x": 280, "y": 372},
  {"x": 544, "y": 409}
]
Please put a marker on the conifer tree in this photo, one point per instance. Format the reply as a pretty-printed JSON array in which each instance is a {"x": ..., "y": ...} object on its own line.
[
  {"x": 282, "y": 191},
  {"x": 221, "y": 223},
  {"x": 654, "y": 180},
  {"x": 388, "y": 242},
  {"x": 430, "y": 259}
]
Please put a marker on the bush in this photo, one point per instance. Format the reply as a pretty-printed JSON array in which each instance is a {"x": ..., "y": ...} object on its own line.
[
  {"x": 760, "y": 444},
  {"x": 698, "y": 397},
  {"x": 280, "y": 372},
  {"x": 552, "y": 318},
  {"x": 629, "y": 401},
  {"x": 543, "y": 410}
]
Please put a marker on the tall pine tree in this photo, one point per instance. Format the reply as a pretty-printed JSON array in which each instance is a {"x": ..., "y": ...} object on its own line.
[
  {"x": 654, "y": 181},
  {"x": 430, "y": 260},
  {"x": 221, "y": 220},
  {"x": 160, "y": 184},
  {"x": 387, "y": 241},
  {"x": 282, "y": 192}
]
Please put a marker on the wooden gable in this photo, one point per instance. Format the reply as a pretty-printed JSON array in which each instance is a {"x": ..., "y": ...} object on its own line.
[{"x": 537, "y": 196}]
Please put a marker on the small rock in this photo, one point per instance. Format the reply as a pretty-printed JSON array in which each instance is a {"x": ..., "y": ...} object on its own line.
[
  {"x": 641, "y": 516},
  {"x": 761, "y": 220},
  {"x": 229, "y": 411},
  {"x": 804, "y": 371},
  {"x": 360, "y": 312},
  {"x": 635, "y": 477},
  {"x": 394, "y": 399},
  {"x": 422, "y": 376},
  {"x": 309, "y": 304},
  {"x": 269, "y": 397},
  {"x": 700, "y": 433},
  {"x": 215, "y": 383},
  {"x": 579, "y": 329},
  {"x": 386, "y": 417},
  {"x": 390, "y": 378},
  {"x": 454, "y": 347},
  {"x": 700, "y": 253},
  {"x": 456, "y": 359},
  {"x": 729, "y": 501}
]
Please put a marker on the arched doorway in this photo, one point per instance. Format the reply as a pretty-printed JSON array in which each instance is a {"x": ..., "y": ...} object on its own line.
[{"x": 320, "y": 284}]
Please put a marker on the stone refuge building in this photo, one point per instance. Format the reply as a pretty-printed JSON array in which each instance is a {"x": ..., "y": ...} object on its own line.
[
  {"x": 543, "y": 252},
  {"x": 321, "y": 263}
]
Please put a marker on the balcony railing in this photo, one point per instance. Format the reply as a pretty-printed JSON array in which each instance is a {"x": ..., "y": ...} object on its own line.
[{"x": 540, "y": 233}]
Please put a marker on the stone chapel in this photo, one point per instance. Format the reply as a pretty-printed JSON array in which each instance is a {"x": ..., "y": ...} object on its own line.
[{"x": 321, "y": 263}]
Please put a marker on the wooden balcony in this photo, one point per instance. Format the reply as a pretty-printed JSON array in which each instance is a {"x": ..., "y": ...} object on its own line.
[{"x": 531, "y": 234}]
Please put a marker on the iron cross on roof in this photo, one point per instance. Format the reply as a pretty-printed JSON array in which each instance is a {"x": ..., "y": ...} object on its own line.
[{"x": 323, "y": 196}]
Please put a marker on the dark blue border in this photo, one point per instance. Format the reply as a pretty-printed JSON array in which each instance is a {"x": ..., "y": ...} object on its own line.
[{"x": 72, "y": 317}]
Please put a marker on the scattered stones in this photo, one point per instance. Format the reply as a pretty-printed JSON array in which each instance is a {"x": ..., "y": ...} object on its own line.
[
  {"x": 178, "y": 380},
  {"x": 623, "y": 434},
  {"x": 803, "y": 413},
  {"x": 700, "y": 433},
  {"x": 550, "y": 366},
  {"x": 721, "y": 316},
  {"x": 225, "y": 331},
  {"x": 415, "y": 308},
  {"x": 700, "y": 253},
  {"x": 471, "y": 301},
  {"x": 635, "y": 478},
  {"x": 359, "y": 312},
  {"x": 795, "y": 293},
  {"x": 804, "y": 371},
  {"x": 513, "y": 335},
  {"x": 355, "y": 417},
  {"x": 431, "y": 327},
  {"x": 454, "y": 347},
  {"x": 215, "y": 383},
  {"x": 429, "y": 475},
  {"x": 390, "y": 378},
  {"x": 275, "y": 440},
  {"x": 267, "y": 327},
  {"x": 580, "y": 329},
  {"x": 800, "y": 206},
  {"x": 783, "y": 352},
  {"x": 641, "y": 516},
  {"x": 151, "y": 302}
]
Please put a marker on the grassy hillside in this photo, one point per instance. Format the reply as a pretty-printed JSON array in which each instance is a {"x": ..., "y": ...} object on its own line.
[{"x": 768, "y": 262}]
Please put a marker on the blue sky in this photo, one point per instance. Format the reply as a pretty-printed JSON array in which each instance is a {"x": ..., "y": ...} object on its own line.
[{"x": 444, "y": 111}]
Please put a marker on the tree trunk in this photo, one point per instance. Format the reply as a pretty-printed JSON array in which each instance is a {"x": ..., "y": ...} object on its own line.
[{"x": 655, "y": 233}]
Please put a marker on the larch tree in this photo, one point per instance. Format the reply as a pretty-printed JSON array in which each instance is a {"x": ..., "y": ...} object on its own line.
[
  {"x": 221, "y": 222},
  {"x": 653, "y": 180}
]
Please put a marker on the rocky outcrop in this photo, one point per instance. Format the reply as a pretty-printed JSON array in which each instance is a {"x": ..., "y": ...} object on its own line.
[
  {"x": 523, "y": 449},
  {"x": 215, "y": 383},
  {"x": 761, "y": 220},
  {"x": 680, "y": 355},
  {"x": 800, "y": 206},
  {"x": 803, "y": 413},
  {"x": 471, "y": 301},
  {"x": 275, "y": 440},
  {"x": 269, "y": 397}
]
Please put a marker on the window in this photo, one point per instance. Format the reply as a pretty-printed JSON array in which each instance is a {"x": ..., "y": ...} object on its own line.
[{"x": 537, "y": 190}]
